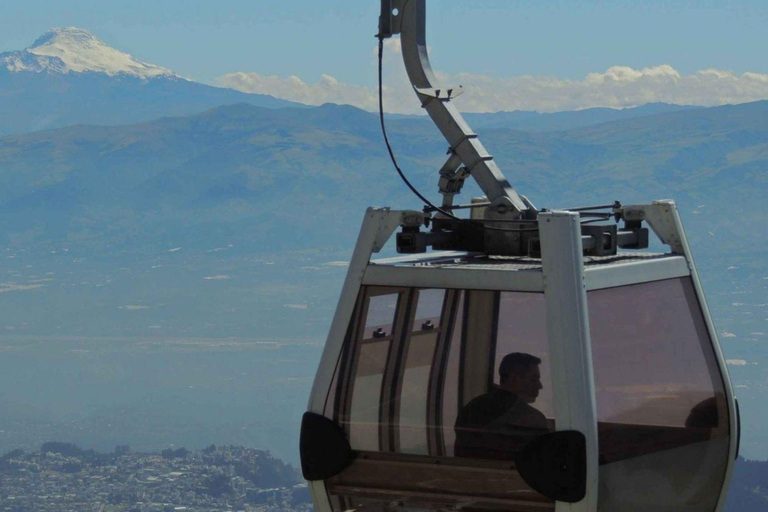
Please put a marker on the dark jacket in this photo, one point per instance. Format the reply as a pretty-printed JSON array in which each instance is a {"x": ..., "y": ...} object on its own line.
[{"x": 496, "y": 425}]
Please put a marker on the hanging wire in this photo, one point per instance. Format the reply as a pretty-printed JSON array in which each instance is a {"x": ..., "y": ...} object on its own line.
[{"x": 389, "y": 146}]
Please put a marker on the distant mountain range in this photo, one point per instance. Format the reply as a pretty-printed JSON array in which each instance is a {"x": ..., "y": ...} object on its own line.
[
  {"x": 74, "y": 50},
  {"x": 176, "y": 209},
  {"x": 259, "y": 180},
  {"x": 241, "y": 182},
  {"x": 555, "y": 121},
  {"x": 244, "y": 172},
  {"x": 68, "y": 76}
]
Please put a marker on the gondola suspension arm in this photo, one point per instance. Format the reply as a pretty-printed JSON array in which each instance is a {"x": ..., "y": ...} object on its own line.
[{"x": 467, "y": 156}]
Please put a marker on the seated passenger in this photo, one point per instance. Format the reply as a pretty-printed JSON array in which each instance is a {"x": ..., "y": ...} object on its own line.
[{"x": 499, "y": 423}]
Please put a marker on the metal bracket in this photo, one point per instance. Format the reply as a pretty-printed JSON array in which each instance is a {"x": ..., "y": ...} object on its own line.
[
  {"x": 393, "y": 219},
  {"x": 410, "y": 23},
  {"x": 391, "y": 18},
  {"x": 601, "y": 240},
  {"x": 660, "y": 216},
  {"x": 439, "y": 94},
  {"x": 452, "y": 176}
]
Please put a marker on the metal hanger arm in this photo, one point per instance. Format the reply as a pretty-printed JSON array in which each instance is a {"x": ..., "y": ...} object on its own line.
[{"x": 408, "y": 18}]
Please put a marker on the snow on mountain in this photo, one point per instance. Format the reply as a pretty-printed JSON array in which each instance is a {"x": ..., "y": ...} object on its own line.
[{"x": 74, "y": 50}]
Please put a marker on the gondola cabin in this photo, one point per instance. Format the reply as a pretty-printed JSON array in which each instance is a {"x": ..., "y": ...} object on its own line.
[
  {"x": 627, "y": 404},
  {"x": 516, "y": 360}
]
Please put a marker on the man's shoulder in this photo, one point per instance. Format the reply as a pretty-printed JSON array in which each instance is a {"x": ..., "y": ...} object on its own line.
[
  {"x": 530, "y": 409},
  {"x": 484, "y": 398},
  {"x": 529, "y": 416},
  {"x": 486, "y": 407},
  {"x": 492, "y": 397}
]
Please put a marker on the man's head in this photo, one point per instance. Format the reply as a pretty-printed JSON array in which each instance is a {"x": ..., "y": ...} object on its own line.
[{"x": 519, "y": 373}]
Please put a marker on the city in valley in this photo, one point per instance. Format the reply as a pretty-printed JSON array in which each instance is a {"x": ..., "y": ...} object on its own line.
[{"x": 62, "y": 476}]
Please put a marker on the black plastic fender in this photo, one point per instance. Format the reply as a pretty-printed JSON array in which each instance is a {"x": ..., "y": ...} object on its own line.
[{"x": 324, "y": 447}]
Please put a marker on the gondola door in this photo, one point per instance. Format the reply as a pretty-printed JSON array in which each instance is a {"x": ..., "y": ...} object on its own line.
[
  {"x": 399, "y": 427},
  {"x": 414, "y": 361}
]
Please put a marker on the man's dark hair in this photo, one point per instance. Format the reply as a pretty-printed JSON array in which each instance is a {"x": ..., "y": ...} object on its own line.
[{"x": 516, "y": 363}]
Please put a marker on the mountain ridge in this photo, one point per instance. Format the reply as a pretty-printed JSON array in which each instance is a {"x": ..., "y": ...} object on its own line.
[
  {"x": 69, "y": 76},
  {"x": 268, "y": 158},
  {"x": 567, "y": 120},
  {"x": 75, "y": 50},
  {"x": 233, "y": 221}
]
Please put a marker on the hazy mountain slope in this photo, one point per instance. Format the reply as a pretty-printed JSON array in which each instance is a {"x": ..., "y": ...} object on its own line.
[
  {"x": 530, "y": 121},
  {"x": 68, "y": 76},
  {"x": 211, "y": 172},
  {"x": 276, "y": 169},
  {"x": 558, "y": 121},
  {"x": 693, "y": 155},
  {"x": 268, "y": 181},
  {"x": 31, "y": 102},
  {"x": 231, "y": 223}
]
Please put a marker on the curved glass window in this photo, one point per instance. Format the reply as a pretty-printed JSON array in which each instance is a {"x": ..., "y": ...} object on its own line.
[
  {"x": 413, "y": 407},
  {"x": 364, "y": 405},
  {"x": 505, "y": 400},
  {"x": 439, "y": 389},
  {"x": 662, "y": 414}
]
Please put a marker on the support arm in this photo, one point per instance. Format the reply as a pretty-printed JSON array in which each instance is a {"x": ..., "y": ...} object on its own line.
[{"x": 408, "y": 18}]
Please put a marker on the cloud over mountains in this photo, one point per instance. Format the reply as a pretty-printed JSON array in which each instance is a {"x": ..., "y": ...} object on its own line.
[{"x": 617, "y": 87}]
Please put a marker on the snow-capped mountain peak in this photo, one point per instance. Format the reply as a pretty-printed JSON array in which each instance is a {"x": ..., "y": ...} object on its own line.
[{"x": 74, "y": 50}]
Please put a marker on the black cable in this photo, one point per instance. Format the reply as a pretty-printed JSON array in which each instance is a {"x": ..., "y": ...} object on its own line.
[
  {"x": 614, "y": 206},
  {"x": 389, "y": 146},
  {"x": 593, "y": 214},
  {"x": 592, "y": 221}
]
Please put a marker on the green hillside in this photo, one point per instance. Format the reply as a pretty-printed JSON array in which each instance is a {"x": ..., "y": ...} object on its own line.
[
  {"x": 300, "y": 178},
  {"x": 233, "y": 222}
]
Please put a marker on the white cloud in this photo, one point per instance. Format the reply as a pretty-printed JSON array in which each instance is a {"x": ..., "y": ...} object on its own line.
[
  {"x": 617, "y": 87},
  {"x": 326, "y": 90},
  {"x": 736, "y": 362}
]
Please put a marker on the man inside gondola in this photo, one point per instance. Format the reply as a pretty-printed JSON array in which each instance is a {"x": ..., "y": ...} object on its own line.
[{"x": 497, "y": 424}]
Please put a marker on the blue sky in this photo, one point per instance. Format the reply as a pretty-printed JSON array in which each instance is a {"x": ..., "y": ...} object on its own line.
[
  {"x": 568, "y": 39},
  {"x": 491, "y": 38}
]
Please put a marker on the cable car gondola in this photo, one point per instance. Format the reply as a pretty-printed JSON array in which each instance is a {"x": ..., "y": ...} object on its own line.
[{"x": 517, "y": 360}]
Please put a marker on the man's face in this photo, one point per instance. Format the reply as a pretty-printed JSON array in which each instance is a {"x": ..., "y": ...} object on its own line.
[{"x": 525, "y": 385}]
